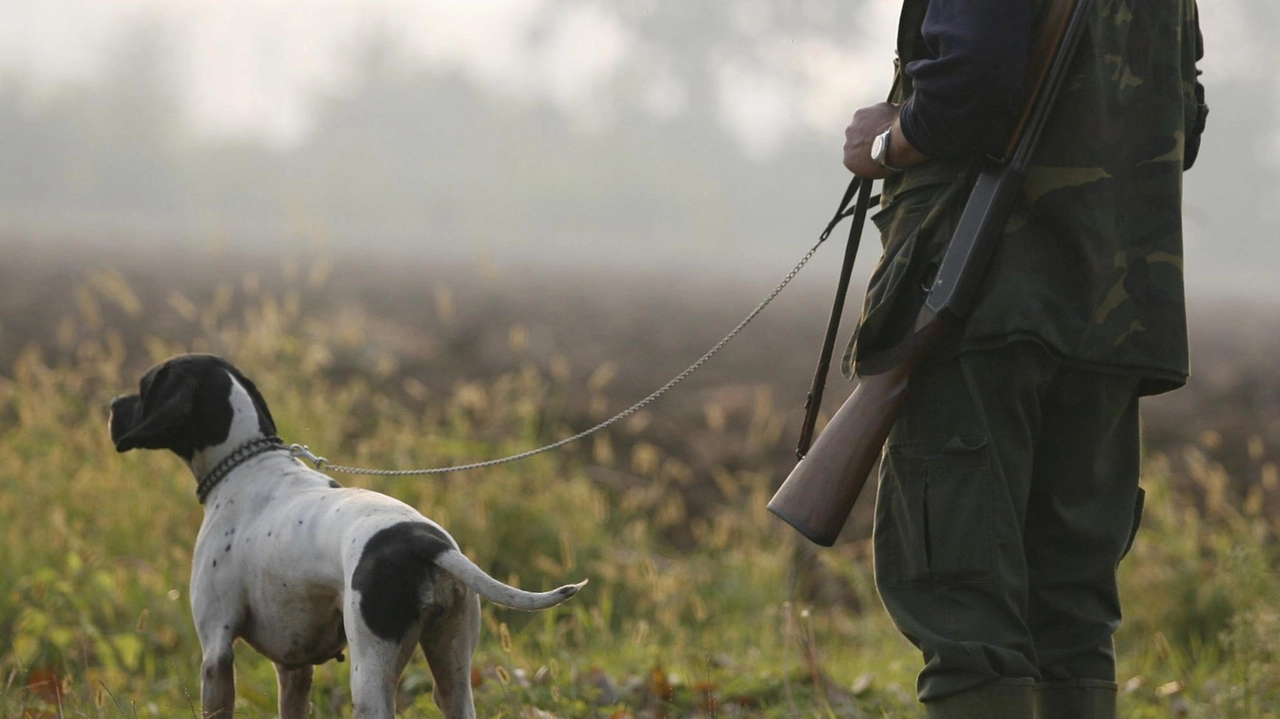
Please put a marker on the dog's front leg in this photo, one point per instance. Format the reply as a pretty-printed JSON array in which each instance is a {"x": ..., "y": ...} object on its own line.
[
  {"x": 218, "y": 683},
  {"x": 295, "y": 691}
]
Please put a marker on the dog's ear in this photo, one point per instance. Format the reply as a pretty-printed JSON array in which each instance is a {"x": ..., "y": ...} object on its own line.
[
  {"x": 166, "y": 405},
  {"x": 266, "y": 424}
]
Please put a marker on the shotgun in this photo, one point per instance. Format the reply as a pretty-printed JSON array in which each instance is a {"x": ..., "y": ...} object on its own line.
[{"x": 819, "y": 494}]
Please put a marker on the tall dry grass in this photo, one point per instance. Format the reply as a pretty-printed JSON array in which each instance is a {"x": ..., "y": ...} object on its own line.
[{"x": 713, "y": 612}]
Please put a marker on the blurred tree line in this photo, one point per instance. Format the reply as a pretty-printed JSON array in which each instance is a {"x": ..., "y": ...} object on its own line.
[{"x": 427, "y": 155}]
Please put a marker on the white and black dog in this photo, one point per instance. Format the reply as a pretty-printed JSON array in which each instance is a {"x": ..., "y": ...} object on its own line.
[{"x": 299, "y": 567}]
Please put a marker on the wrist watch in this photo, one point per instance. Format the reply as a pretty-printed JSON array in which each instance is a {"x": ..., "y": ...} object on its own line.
[{"x": 880, "y": 150}]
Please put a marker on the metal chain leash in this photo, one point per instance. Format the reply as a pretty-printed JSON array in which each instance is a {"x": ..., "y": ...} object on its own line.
[{"x": 301, "y": 450}]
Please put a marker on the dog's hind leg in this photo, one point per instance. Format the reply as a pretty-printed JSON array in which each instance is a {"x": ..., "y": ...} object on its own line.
[
  {"x": 374, "y": 676},
  {"x": 376, "y": 662},
  {"x": 218, "y": 681},
  {"x": 295, "y": 691},
  {"x": 449, "y": 644}
]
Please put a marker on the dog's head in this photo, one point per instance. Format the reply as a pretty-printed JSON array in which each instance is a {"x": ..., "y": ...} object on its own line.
[{"x": 189, "y": 404}]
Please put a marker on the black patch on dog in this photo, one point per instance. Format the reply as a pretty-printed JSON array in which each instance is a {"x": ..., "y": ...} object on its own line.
[
  {"x": 333, "y": 484},
  {"x": 395, "y": 564},
  {"x": 182, "y": 405}
]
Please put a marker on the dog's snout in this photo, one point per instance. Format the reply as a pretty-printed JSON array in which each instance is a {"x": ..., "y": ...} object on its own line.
[
  {"x": 122, "y": 405},
  {"x": 124, "y": 410}
]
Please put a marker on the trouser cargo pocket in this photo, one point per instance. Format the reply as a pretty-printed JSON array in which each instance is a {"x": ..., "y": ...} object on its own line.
[{"x": 934, "y": 514}]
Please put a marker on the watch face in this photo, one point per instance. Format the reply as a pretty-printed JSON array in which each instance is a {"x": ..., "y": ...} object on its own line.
[{"x": 877, "y": 148}]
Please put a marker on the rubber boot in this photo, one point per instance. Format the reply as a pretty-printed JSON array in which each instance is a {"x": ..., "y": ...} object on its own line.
[
  {"x": 1001, "y": 699},
  {"x": 1076, "y": 699}
]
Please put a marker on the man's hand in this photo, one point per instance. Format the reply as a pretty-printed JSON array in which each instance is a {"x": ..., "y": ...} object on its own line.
[{"x": 867, "y": 123}]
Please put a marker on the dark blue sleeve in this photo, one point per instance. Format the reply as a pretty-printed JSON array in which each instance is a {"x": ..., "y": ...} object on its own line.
[{"x": 966, "y": 93}]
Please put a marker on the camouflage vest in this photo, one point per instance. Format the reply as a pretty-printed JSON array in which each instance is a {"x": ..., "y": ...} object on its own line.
[{"x": 1091, "y": 262}]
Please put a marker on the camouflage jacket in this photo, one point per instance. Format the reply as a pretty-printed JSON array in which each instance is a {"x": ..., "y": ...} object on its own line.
[{"x": 1090, "y": 264}]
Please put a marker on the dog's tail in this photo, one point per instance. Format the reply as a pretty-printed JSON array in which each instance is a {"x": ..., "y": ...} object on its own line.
[{"x": 457, "y": 564}]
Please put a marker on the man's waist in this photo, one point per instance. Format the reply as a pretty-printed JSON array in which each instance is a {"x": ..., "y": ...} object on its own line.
[{"x": 936, "y": 172}]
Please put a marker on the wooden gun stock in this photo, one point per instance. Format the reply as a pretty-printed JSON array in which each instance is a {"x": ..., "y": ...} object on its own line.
[{"x": 818, "y": 495}]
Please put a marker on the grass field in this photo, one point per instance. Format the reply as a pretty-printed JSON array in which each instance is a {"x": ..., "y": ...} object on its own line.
[{"x": 700, "y": 604}]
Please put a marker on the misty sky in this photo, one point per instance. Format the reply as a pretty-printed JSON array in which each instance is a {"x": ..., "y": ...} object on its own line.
[
  {"x": 253, "y": 66},
  {"x": 256, "y": 68}
]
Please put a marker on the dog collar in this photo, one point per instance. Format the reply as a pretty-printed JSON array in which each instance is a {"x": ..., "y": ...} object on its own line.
[{"x": 239, "y": 456}]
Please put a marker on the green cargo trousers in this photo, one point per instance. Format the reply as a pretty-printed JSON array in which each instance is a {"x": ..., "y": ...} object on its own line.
[{"x": 1008, "y": 495}]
